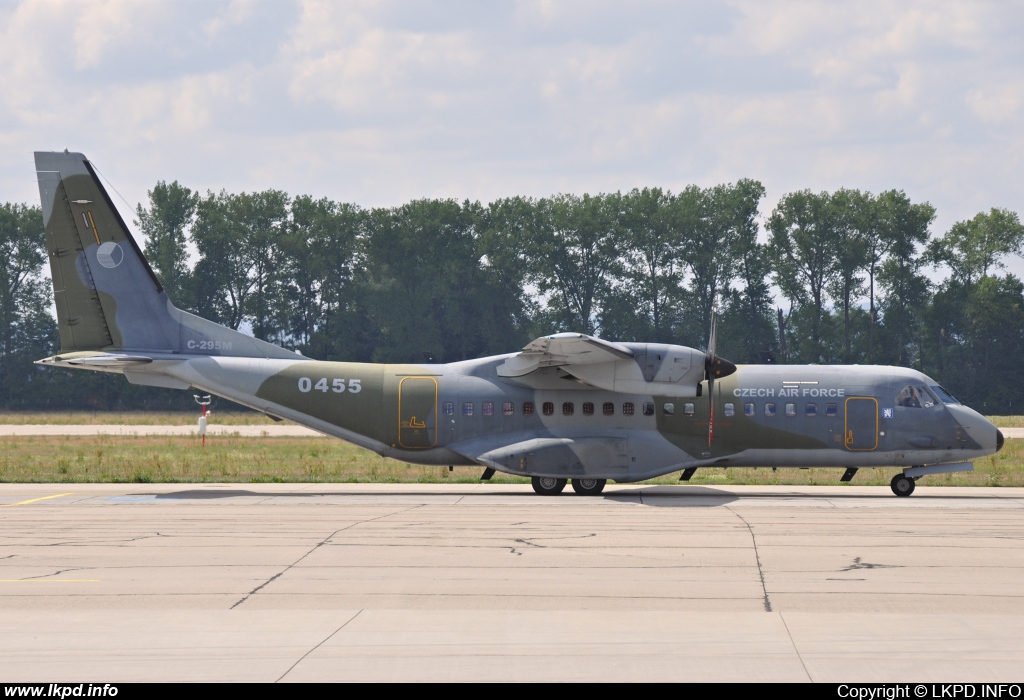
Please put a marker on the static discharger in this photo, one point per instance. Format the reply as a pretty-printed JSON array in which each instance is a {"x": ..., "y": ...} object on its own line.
[{"x": 203, "y": 402}]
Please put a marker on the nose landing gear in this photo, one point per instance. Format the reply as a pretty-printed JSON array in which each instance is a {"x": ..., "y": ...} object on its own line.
[{"x": 902, "y": 485}]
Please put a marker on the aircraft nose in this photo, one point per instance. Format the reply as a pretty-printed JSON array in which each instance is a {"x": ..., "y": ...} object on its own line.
[{"x": 999, "y": 439}]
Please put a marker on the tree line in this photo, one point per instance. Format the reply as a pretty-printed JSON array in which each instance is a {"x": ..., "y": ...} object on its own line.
[{"x": 442, "y": 280}]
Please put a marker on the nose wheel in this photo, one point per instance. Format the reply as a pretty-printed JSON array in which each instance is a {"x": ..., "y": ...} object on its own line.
[
  {"x": 902, "y": 485},
  {"x": 547, "y": 485},
  {"x": 588, "y": 487}
]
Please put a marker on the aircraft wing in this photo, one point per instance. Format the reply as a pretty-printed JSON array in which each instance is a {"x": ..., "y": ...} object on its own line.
[
  {"x": 563, "y": 349},
  {"x": 666, "y": 370}
]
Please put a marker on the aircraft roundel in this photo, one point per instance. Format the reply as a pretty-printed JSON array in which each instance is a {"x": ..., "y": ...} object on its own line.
[{"x": 109, "y": 254}]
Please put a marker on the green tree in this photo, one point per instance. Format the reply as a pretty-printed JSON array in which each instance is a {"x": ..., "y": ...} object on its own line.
[
  {"x": 644, "y": 298},
  {"x": 803, "y": 250},
  {"x": 573, "y": 256},
  {"x": 27, "y": 330},
  {"x": 851, "y": 211},
  {"x": 164, "y": 225},
  {"x": 316, "y": 270},
  {"x": 972, "y": 248},
  {"x": 238, "y": 240},
  {"x": 905, "y": 288}
]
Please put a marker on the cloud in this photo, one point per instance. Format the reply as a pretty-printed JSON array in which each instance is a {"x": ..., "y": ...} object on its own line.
[{"x": 381, "y": 102}]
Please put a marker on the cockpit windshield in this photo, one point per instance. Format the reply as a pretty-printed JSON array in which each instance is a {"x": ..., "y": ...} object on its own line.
[
  {"x": 916, "y": 396},
  {"x": 944, "y": 395}
]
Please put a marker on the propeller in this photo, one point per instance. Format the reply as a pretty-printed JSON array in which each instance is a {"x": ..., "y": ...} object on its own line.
[{"x": 715, "y": 367}]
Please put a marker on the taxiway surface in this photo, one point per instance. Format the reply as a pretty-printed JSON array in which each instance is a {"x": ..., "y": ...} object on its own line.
[{"x": 413, "y": 582}]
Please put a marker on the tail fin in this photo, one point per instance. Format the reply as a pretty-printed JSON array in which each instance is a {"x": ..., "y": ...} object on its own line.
[{"x": 107, "y": 296}]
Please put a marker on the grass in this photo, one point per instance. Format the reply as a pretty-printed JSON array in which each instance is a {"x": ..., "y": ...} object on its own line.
[
  {"x": 148, "y": 459},
  {"x": 135, "y": 418}
]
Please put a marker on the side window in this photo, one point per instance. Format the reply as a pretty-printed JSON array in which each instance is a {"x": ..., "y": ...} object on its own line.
[
  {"x": 448, "y": 408},
  {"x": 831, "y": 411},
  {"x": 627, "y": 408},
  {"x": 688, "y": 409},
  {"x": 527, "y": 408},
  {"x": 669, "y": 409},
  {"x": 811, "y": 410},
  {"x": 548, "y": 408},
  {"x": 908, "y": 397},
  {"x": 769, "y": 409},
  {"x": 748, "y": 409},
  {"x": 588, "y": 409},
  {"x": 568, "y": 408},
  {"x": 608, "y": 409},
  {"x": 729, "y": 409},
  {"x": 648, "y": 408},
  {"x": 467, "y": 408},
  {"x": 488, "y": 408},
  {"x": 508, "y": 408},
  {"x": 791, "y": 409}
]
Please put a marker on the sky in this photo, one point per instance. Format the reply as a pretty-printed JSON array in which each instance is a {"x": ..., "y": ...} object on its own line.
[{"x": 379, "y": 103}]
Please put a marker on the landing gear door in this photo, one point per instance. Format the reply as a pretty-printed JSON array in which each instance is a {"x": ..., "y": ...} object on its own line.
[
  {"x": 417, "y": 412},
  {"x": 861, "y": 423}
]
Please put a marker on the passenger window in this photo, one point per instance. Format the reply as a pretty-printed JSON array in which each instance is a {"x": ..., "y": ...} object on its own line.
[
  {"x": 467, "y": 408},
  {"x": 627, "y": 408},
  {"x": 508, "y": 408},
  {"x": 448, "y": 408},
  {"x": 688, "y": 409},
  {"x": 648, "y": 408},
  {"x": 748, "y": 409},
  {"x": 790, "y": 409},
  {"x": 588, "y": 409},
  {"x": 527, "y": 408},
  {"x": 609, "y": 409},
  {"x": 831, "y": 411},
  {"x": 811, "y": 409},
  {"x": 669, "y": 409},
  {"x": 769, "y": 409},
  {"x": 568, "y": 408},
  {"x": 729, "y": 409},
  {"x": 488, "y": 408},
  {"x": 549, "y": 408}
]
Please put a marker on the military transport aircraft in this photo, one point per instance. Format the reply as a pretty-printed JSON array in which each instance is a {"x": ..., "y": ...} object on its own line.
[{"x": 567, "y": 407}]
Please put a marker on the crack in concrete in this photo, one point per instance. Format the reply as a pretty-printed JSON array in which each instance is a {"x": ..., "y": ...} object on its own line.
[
  {"x": 757, "y": 557},
  {"x": 322, "y": 642},
  {"x": 795, "y": 649},
  {"x": 315, "y": 547}
]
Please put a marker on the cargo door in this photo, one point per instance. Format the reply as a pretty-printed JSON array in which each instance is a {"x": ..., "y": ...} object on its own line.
[{"x": 417, "y": 412}]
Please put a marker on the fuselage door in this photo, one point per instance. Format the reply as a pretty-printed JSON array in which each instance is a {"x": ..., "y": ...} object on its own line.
[
  {"x": 861, "y": 423},
  {"x": 417, "y": 412}
]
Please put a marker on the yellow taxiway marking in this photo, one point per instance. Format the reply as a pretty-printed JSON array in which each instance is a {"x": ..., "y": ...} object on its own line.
[
  {"x": 49, "y": 580},
  {"x": 33, "y": 500}
]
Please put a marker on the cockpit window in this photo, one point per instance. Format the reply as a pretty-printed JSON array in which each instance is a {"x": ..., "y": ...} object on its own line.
[
  {"x": 944, "y": 395},
  {"x": 916, "y": 396}
]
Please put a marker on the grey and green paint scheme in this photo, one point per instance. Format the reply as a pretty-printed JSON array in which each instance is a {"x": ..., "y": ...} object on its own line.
[{"x": 600, "y": 410}]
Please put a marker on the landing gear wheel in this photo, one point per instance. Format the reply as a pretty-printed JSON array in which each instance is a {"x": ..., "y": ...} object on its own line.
[
  {"x": 548, "y": 485},
  {"x": 588, "y": 487},
  {"x": 902, "y": 485}
]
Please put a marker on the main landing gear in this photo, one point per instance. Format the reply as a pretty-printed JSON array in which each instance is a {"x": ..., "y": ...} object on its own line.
[
  {"x": 902, "y": 485},
  {"x": 550, "y": 486},
  {"x": 588, "y": 487}
]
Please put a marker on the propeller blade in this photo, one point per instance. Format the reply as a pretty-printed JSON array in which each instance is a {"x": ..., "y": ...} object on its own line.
[
  {"x": 711, "y": 409},
  {"x": 710, "y": 359}
]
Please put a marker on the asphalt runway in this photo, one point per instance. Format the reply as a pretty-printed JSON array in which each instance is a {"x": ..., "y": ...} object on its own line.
[{"x": 311, "y": 582}]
